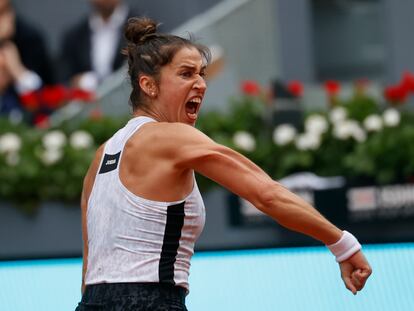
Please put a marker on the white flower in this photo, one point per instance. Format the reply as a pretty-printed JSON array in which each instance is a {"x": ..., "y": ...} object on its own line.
[
  {"x": 308, "y": 141},
  {"x": 391, "y": 117},
  {"x": 337, "y": 114},
  {"x": 347, "y": 129},
  {"x": 51, "y": 156},
  {"x": 54, "y": 140},
  {"x": 284, "y": 134},
  {"x": 12, "y": 158},
  {"x": 359, "y": 134},
  {"x": 10, "y": 143},
  {"x": 341, "y": 130},
  {"x": 244, "y": 141},
  {"x": 316, "y": 124},
  {"x": 373, "y": 123},
  {"x": 81, "y": 140}
]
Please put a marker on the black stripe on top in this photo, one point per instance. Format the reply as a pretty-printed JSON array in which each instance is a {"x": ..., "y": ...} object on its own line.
[
  {"x": 109, "y": 162},
  {"x": 172, "y": 235}
]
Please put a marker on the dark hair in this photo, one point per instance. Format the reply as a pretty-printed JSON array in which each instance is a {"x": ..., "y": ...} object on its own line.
[{"x": 148, "y": 51}]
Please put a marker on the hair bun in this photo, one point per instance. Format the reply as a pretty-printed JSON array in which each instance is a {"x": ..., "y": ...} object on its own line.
[{"x": 138, "y": 29}]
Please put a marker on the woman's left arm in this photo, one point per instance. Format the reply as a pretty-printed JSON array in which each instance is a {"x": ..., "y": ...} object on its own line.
[{"x": 241, "y": 176}]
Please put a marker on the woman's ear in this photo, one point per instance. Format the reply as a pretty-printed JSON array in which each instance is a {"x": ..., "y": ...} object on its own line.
[{"x": 148, "y": 86}]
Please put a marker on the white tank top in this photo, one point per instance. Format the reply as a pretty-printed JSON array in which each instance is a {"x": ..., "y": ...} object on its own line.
[{"x": 132, "y": 239}]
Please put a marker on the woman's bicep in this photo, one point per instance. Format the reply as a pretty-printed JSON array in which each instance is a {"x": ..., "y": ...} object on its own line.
[{"x": 229, "y": 169}]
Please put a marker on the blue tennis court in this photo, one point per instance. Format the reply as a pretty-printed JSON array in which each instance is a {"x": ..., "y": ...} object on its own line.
[{"x": 267, "y": 279}]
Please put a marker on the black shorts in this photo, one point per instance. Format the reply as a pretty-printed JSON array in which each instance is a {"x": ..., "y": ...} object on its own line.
[{"x": 133, "y": 297}]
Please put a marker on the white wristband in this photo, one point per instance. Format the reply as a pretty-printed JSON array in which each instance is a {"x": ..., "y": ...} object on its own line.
[{"x": 345, "y": 247}]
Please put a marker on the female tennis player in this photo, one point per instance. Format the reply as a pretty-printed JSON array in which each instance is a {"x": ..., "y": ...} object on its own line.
[{"x": 141, "y": 209}]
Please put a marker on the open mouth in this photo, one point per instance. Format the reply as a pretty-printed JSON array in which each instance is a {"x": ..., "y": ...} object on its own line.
[{"x": 192, "y": 107}]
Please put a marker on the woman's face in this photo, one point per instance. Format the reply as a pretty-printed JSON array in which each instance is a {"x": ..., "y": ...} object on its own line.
[{"x": 181, "y": 87}]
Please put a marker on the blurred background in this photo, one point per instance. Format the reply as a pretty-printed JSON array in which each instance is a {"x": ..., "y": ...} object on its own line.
[{"x": 317, "y": 92}]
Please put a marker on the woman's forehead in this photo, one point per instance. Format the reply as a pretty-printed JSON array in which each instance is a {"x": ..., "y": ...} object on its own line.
[{"x": 187, "y": 56}]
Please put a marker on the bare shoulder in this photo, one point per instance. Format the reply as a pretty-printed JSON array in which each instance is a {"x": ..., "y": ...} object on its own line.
[
  {"x": 170, "y": 136},
  {"x": 176, "y": 142},
  {"x": 176, "y": 130}
]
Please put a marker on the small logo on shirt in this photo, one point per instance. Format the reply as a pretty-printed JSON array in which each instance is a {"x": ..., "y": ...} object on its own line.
[{"x": 109, "y": 163}]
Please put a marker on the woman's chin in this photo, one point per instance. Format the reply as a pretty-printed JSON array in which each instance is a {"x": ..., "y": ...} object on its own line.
[{"x": 190, "y": 119}]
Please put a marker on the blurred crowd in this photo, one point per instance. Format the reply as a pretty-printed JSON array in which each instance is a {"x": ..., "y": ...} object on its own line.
[{"x": 90, "y": 50}]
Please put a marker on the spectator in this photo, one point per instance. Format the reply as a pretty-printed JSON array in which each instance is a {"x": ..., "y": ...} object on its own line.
[
  {"x": 91, "y": 49},
  {"x": 24, "y": 61}
]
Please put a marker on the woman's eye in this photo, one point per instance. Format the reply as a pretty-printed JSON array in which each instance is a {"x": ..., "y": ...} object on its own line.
[{"x": 187, "y": 74}]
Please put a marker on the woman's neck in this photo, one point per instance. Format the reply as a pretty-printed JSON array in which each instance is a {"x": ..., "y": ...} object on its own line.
[{"x": 157, "y": 116}]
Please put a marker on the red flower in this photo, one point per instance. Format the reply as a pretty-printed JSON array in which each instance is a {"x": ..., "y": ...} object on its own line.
[
  {"x": 396, "y": 93},
  {"x": 41, "y": 120},
  {"x": 250, "y": 87},
  {"x": 82, "y": 95},
  {"x": 332, "y": 87},
  {"x": 53, "y": 96},
  {"x": 296, "y": 88},
  {"x": 30, "y": 100},
  {"x": 407, "y": 81}
]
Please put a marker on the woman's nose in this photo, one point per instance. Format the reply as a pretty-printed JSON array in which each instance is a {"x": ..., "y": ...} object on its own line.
[{"x": 200, "y": 83}]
